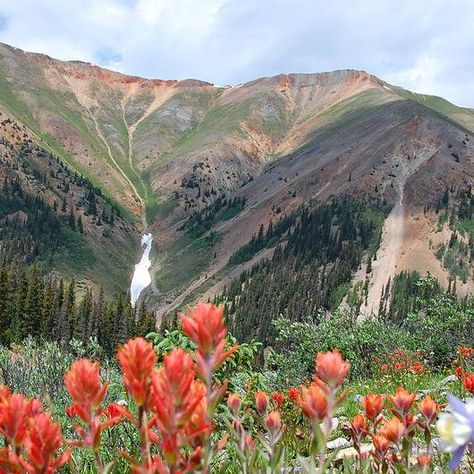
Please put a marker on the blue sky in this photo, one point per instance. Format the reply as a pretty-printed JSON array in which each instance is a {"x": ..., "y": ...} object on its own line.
[{"x": 424, "y": 45}]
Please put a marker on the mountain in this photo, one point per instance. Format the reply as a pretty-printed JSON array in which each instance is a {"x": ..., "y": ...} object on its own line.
[{"x": 203, "y": 168}]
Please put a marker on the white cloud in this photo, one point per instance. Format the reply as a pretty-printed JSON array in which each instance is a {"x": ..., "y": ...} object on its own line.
[{"x": 425, "y": 45}]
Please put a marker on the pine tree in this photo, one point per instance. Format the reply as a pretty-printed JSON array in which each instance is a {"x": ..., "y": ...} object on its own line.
[{"x": 31, "y": 319}]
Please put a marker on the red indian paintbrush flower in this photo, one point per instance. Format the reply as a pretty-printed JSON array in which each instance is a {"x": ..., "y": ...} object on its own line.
[
  {"x": 402, "y": 401},
  {"x": 359, "y": 426},
  {"x": 294, "y": 394},
  {"x": 42, "y": 444},
  {"x": 429, "y": 409},
  {"x": 424, "y": 460},
  {"x": 331, "y": 368},
  {"x": 233, "y": 402},
  {"x": 179, "y": 405},
  {"x": 137, "y": 359},
  {"x": 261, "y": 402},
  {"x": 205, "y": 327},
  {"x": 85, "y": 387},
  {"x": 373, "y": 405},
  {"x": 314, "y": 403},
  {"x": 381, "y": 446},
  {"x": 468, "y": 383},
  {"x": 393, "y": 430},
  {"x": 15, "y": 412},
  {"x": 278, "y": 399},
  {"x": 273, "y": 421}
]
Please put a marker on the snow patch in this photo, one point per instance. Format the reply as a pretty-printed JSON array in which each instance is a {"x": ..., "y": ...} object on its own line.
[{"x": 141, "y": 276}]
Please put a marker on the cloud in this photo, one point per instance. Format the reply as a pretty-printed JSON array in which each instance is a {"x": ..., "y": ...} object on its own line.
[{"x": 424, "y": 45}]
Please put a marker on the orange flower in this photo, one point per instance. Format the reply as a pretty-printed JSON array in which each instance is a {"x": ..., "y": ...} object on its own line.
[
  {"x": 294, "y": 394},
  {"x": 359, "y": 426},
  {"x": 205, "y": 327},
  {"x": 250, "y": 443},
  {"x": 179, "y": 405},
  {"x": 85, "y": 387},
  {"x": 465, "y": 352},
  {"x": 314, "y": 403},
  {"x": 42, "y": 444},
  {"x": 429, "y": 409},
  {"x": 137, "y": 359},
  {"x": 424, "y": 460},
  {"x": 71, "y": 411},
  {"x": 468, "y": 383},
  {"x": 278, "y": 399},
  {"x": 402, "y": 401},
  {"x": 261, "y": 402},
  {"x": 381, "y": 445},
  {"x": 331, "y": 368},
  {"x": 393, "y": 430},
  {"x": 417, "y": 368},
  {"x": 460, "y": 373},
  {"x": 273, "y": 421},
  {"x": 15, "y": 412},
  {"x": 384, "y": 367},
  {"x": 373, "y": 405},
  {"x": 233, "y": 402}
]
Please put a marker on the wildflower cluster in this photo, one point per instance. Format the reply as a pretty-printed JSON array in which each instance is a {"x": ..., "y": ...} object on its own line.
[
  {"x": 464, "y": 368},
  {"x": 390, "y": 424},
  {"x": 399, "y": 364},
  {"x": 176, "y": 417},
  {"x": 31, "y": 439}
]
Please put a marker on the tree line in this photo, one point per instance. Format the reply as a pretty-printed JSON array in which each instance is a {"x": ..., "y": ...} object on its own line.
[
  {"x": 310, "y": 269},
  {"x": 52, "y": 309}
]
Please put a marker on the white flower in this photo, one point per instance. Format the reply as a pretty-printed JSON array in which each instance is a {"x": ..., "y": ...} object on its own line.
[
  {"x": 454, "y": 428},
  {"x": 454, "y": 431}
]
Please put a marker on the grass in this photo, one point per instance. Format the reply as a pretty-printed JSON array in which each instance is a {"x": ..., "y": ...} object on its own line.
[
  {"x": 182, "y": 267},
  {"x": 458, "y": 116}
]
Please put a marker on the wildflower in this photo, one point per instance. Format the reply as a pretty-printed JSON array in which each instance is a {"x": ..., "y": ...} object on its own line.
[
  {"x": 205, "y": 327},
  {"x": 71, "y": 411},
  {"x": 137, "y": 359},
  {"x": 14, "y": 415},
  {"x": 114, "y": 411},
  {"x": 460, "y": 373},
  {"x": 261, "y": 402},
  {"x": 381, "y": 446},
  {"x": 178, "y": 401},
  {"x": 250, "y": 443},
  {"x": 358, "y": 429},
  {"x": 393, "y": 430},
  {"x": 273, "y": 421},
  {"x": 314, "y": 403},
  {"x": 233, "y": 402},
  {"x": 468, "y": 383},
  {"x": 278, "y": 399},
  {"x": 42, "y": 443},
  {"x": 294, "y": 394},
  {"x": 85, "y": 387},
  {"x": 417, "y": 368},
  {"x": 456, "y": 428},
  {"x": 331, "y": 368},
  {"x": 465, "y": 352},
  {"x": 373, "y": 405},
  {"x": 429, "y": 409},
  {"x": 402, "y": 401},
  {"x": 384, "y": 368},
  {"x": 424, "y": 460}
]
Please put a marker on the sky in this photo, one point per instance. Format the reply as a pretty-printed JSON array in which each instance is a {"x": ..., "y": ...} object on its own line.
[{"x": 423, "y": 45}]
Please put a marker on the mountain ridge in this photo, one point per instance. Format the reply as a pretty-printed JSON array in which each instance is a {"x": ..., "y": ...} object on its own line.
[{"x": 166, "y": 150}]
